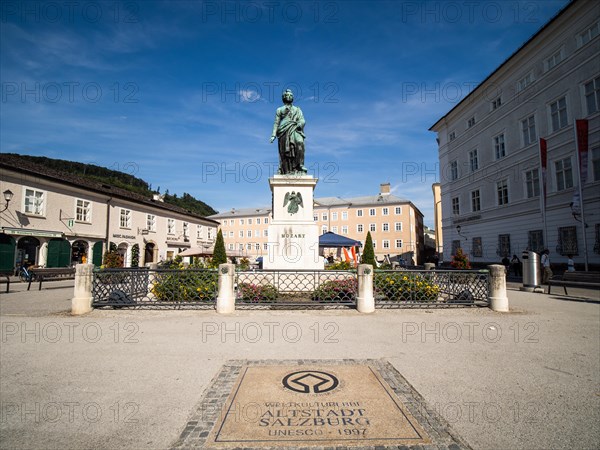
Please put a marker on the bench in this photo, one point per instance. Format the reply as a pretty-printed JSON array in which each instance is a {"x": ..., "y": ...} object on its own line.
[
  {"x": 6, "y": 275},
  {"x": 58, "y": 273},
  {"x": 585, "y": 280}
]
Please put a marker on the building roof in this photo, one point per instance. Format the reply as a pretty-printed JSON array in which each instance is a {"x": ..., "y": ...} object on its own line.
[
  {"x": 506, "y": 61},
  {"x": 22, "y": 165},
  {"x": 367, "y": 200}
]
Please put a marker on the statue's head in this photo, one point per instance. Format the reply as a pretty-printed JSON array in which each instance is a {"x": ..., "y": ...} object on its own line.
[{"x": 287, "y": 96}]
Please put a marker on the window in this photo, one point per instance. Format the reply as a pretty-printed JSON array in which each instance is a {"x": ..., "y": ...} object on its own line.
[
  {"x": 502, "y": 191},
  {"x": 171, "y": 226},
  {"x": 398, "y": 210},
  {"x": 241, "y": 234},
  {"x": 499, "y": 148},
  {"x": 504, "y": 245},
  {"x": 249, "y": 233},
  {"x": 372, "y": 227},
  {"x": 595, "y": 153},
  {"x": 475, "y": 201},
  {"x": 528, "y": 130},
  {"x": 554, "y": 60},
  {"x": 532, "y": 183},
  {"x": 473, "y": 160},
  {"x": 372, "y": 212},
  {"x": 567, "y": 241},
  {"x": 230, "y": 246},
  {"x": 125, "y": 219},
  {"x": 398, "y": 226},
  {"x": 535, "y": 241},
  {"x": 558, "y": 114},
  {"x": 524, "y": 82},
  {"x": 334, "y": 229},
  {"x": 150, "y": 222},
  {"x": 592, "y": 95},
  {"x": 257, "y": 246},
  {"x": 589, "y": 34},
  {"x": 248, "y": 246},
  {"x": 249, "y": 221},
  {"x": 359, "y": 228},
  {"x": 386, "y": 243},
  {"x": 34, "y": 202},
  {"x": 345, "y": 229},
  {"x": 83, "y": 211},
  {"x": 241, "y": 221},
  {"x": 398, "y": 243},
  {"x": 186, "y": 230},
  {"x": 258, "y": 221},
  {"x": 385, "y": 211},
  {"x": 256, "y": 233},
  {"x": 477, "y": 247},
  {"x": 211, "y": 233},
  {"x": 266, "y": 220},
  {"x": 323, "y": 229},
  {"x": 374, "y": 243},
  {"x": 452, "y": 136},
  {"x": 315, "y": 217},
  {"x": 455, "y": 206},
  {"x": 334, "y": 216},
  {"x": 385, "y": 227},
  {"x": 497, "y": 103},
  {"x": 200, "y": 232},
  {"x": 454, "y": 170},
  {"x": 324, "y": 216},
  {"x": 265, "y": 233},
  {"x": 345, "y": 215},
  {"x": 471, "y": 122},
  {"x": 359, "y": 213},
  {"x": 265, "y": 246},
  {"x": 564, "y": 174},
  {"x": 230, "y": 234},
  {"x": 225, "y": 222}
]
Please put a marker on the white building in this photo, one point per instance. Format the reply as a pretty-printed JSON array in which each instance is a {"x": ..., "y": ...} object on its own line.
[
  {"x": 491, "y": 181},
  {"x": 55, "y": 219}
]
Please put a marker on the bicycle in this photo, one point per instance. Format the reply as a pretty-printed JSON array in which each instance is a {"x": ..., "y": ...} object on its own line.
[{"x": 25, "y": 275}]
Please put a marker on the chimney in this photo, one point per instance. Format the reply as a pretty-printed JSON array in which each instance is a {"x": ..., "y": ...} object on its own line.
[{"x": 384, "y": 189}]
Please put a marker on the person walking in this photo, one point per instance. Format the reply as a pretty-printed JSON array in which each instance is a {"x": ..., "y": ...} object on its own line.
[
  {"x": 515, "y": 262},
  {"x": 546, "y": 270}
]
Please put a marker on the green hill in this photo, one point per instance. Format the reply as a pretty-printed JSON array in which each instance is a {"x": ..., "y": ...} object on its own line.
[{"x": 119, "y": 179}]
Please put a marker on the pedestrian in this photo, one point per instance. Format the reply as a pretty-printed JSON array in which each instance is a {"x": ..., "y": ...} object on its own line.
[
  {"x": 506, "y": 263},
  {"x": 515, "y": 262},
  {"x": 546, "y": 270},
  {"x": 570, "y": 264}
]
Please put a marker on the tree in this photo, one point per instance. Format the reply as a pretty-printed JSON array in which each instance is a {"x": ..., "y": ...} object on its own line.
[
  {"x": 368, "y": 256},
  {"x": 219, "y": 255}
]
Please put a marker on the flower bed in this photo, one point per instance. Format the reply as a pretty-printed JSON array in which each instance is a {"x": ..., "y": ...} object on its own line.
[
  {"x": 255, "y": 293},
  {"x": 185, "y": 285},
  {"x": 336, "y": 290},
  {"x": 403, "y": 287}
]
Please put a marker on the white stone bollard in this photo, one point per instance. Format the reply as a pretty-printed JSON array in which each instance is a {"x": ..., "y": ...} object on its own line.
[
  {"x": 365, "y": 302},
  {"x": 429, "y": 266},
  {"x": 81, "y": 303},
  {"x": 226, "y": 296},
  {"x": 498, "y": 298},
  {"x": 152, "y": 268}
]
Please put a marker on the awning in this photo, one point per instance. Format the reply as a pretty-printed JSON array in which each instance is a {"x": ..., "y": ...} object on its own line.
[
  {"x": 36, "y": 233},
  {"x": 332, "y": 240}
]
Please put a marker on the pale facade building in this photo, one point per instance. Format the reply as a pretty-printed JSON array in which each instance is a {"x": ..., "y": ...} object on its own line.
[
  {"x": 492, "y": 184},
  {"x": 56, "y": 219},
  {"x": 396, "y": 224}
]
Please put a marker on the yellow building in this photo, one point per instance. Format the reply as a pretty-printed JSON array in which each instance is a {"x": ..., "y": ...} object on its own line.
[{"x": 396, "y": 224}]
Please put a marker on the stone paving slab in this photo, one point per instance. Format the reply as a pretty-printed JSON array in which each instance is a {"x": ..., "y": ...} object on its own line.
[{"x": 402, "y": 419}]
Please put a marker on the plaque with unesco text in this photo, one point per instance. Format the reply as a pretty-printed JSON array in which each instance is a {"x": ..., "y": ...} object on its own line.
[{"x": 279, "y": 406}]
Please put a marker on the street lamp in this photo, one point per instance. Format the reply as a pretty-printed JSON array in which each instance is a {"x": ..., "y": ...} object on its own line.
[
  {"x": 458, "y": 228},
  {"x": 8, "y": 195}
]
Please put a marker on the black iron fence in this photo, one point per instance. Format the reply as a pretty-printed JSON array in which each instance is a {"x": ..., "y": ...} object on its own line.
[
  {"x": 296, "y": 289},
  {"x": 288, "y": 289},
  {"x": 175, "y": 288},
  {"x": 430, "y": 288}
]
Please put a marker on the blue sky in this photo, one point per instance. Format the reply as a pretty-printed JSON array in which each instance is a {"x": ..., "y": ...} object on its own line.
[{"x": 183, "y": 93}]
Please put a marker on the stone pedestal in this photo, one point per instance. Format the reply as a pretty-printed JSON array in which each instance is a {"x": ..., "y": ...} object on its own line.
[{"x": 293, "y": 236}]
